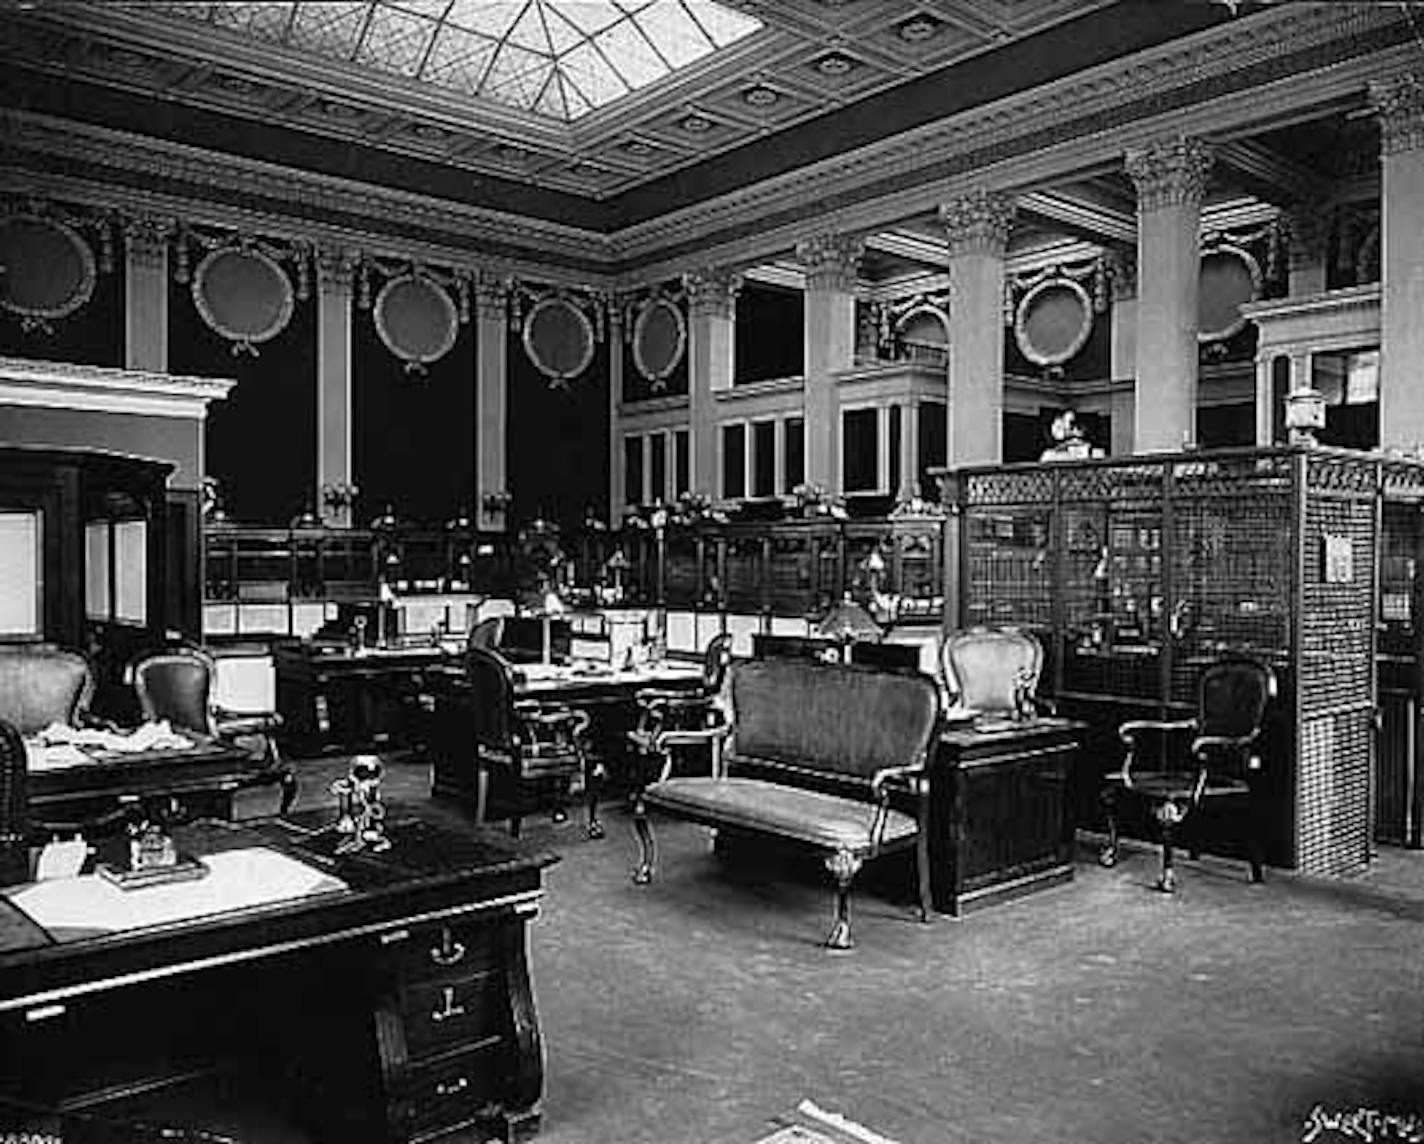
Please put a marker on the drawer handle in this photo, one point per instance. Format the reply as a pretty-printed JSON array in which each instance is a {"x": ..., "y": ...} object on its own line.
[
  {"x": 448, "y": 1008},
  {"x": 451, "y": 1087},
  {"x": 449, "y": 951}
]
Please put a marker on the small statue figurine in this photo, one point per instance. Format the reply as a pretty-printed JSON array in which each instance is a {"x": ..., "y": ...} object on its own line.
[{"x": 361, "y": 814}]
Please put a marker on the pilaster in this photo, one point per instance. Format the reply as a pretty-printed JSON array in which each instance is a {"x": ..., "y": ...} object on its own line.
[
  {"x": 711, "y": 307},
  {"x": 830, "y": 263},
  {"x": 491, "y": 301},
  {"x": 977, "y": 227},
  {"x": 146, "y": 292},
  {"x": 1170, "y": 176},
  {"x": 1399, "y": 104},
  {"x": 1308, "y": 232},
  {"x": 335, "y": 273}
]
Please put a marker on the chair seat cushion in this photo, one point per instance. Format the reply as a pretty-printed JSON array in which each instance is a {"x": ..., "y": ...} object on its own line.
[{"x": 819, "y": 819}]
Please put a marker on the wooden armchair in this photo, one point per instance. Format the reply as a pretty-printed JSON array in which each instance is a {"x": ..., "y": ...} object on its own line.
[
  {"x": 40, "y": 685},
  {"x": 992, "y": 673},
  {"x": 662, "y": 710},
  {"x": 1176, "y": 767},
  {"x": 177, "y": 686},
  {"x": 530, "y": 748}
]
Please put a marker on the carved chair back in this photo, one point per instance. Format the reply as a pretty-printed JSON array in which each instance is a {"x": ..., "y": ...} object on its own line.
[
  {"x": 177, "y": 686},
  {"x": 42, "y": 685},
  {"x": 993, "y": 670}
]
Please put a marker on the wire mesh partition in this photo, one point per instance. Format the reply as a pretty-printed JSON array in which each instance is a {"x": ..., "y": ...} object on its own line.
[{"x": 1138, "y": 572}]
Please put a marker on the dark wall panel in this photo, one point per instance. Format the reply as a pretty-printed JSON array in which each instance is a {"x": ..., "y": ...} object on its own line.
[
  {"x": 261, "y": 441},
  {"x": 414, "y": 436},
  {"x": 557, "y": 443},
  {"x": 92, "y": 335},
  {"x": 770, "y": 339}
]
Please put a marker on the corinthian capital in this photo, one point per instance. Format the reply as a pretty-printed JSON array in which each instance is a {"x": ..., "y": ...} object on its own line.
[
  {"x": 336, "y": 269},
  {"x": 711, "y": 291},
  {"x": 1169, "y": 172},
  {"x": 978, "y": 222},
  {"x": 146, "y": 240},
  {"x": 1399, "y": 103},
  {"x": 830, "y": 261},
  {"x": 491, "y": 294}
]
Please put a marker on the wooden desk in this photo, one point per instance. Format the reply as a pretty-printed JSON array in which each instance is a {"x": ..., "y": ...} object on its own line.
[
  {"x": 203, "y": 778},
  {"x": 1001, "y": 815},
  {"x": 397, "y": 1008}
]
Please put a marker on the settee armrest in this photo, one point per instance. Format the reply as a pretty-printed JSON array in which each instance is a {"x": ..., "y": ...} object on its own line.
[
  {"x": 713, "y": 736},
  {"x": 909, "y": 777}
]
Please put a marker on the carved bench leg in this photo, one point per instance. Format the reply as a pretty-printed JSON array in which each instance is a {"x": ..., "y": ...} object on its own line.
[
  {"x": 647, "y": 850},
  {"x": 843, "y": 867}
]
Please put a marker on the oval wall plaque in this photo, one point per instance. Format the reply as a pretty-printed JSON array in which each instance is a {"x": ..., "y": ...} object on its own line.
[
  {"x": 243, "y": 295},
  {"x": 1230, "y": 277},
  {"x": 49, "y": 269},
  {"x": 659, "y": 339},
  {"x": 558, "y": 337},
  {"x": 416, "y": 319},
  {"x": 1052, "y": 321}
]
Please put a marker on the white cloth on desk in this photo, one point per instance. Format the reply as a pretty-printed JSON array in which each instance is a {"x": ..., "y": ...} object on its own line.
[
  {"x": 236, "y": 879},
  {"x": 156, "y": 736}
]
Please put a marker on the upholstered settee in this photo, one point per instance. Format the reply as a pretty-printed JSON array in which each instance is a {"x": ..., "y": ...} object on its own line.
[{"x": 831, "y": 756}]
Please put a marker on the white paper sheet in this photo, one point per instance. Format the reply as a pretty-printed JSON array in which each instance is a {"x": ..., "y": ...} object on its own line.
[{"x": 236, "y": 879}]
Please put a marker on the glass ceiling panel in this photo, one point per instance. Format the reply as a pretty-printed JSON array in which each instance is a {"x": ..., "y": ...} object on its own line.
[{"x": 559, "y": 58}]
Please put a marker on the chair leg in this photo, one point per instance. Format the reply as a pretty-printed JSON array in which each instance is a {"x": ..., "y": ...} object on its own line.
[
  {"x": 922, "y": 870},
  {"x": 1107, "y": 856},
  {"x": 843, "y": 867},
  {"x": 1169, "y": 816},
  {"x": 593, "y": 788},
  {"x": 647, "y": 848}
]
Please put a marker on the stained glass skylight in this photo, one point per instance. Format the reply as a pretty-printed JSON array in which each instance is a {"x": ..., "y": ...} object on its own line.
[{"x": 560, "y": 58}]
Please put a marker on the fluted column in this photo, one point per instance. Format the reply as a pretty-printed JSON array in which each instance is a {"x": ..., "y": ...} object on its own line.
[
  {"x": 711, "y": 309},
  {"x": 830, "y": 262},
  {"x": 146, "y": 293},
  {"x": 616, "y": 475},
  {"x": 336, "y": 271},
  {"x": 1170, "y": 176},
  {"x": 491, "y": 297},
  {"x": 1399, "y": 104},
  {"x": 1122, "y": 279},
  {"x": 977, "y": 226}
]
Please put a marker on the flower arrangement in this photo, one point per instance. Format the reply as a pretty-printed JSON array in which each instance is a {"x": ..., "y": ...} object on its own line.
[
  {"x": 695, "y": 508},
  {"x": 815, "y": 500}
]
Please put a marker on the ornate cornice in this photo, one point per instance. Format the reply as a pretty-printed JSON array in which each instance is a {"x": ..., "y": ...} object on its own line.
[
  {"x": 978, "y": 222},
  {"x": 491, "y": 296},
  {"x": 1169, "y": 172},
  {"x": 830, "y": 261},
  {"x": 712, "y": 291},
  {"x": 67, "y": 385},
  {"x": 1399, "y": 103},
  {"x": 146, "y": 239}
]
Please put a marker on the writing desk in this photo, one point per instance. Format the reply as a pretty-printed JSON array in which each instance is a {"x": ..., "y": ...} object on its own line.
[
  {"x": 388, "y": 995},
  {"x": 203, "y": 776}
]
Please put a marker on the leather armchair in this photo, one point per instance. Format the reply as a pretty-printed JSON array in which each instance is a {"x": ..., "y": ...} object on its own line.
[
  {"x": 177, "y": 686},
  {"x": 42, "y": 684},
  {"x": 1177, "y": 767}
]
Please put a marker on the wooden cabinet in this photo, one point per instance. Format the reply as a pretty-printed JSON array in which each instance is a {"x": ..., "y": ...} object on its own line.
[{"x": 1001, "y": 821}]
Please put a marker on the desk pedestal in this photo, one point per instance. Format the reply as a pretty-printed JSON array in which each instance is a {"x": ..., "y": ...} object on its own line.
[{"x": 1001, "y": 822}]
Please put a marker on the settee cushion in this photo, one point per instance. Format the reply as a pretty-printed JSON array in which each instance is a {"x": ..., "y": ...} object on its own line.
[
  {"x": 813, "y": 817},
  {"x": 843, "y": 720}
]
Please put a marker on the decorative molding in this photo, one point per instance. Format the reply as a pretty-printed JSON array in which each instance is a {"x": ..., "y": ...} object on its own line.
[
  {"x": 40, "y": 317},
  {"x": 1023, "y": 336},
  {"x": 658, "y": 373},
  {"x": 146, "y": 239},
  {"x": 1399, "y": 104},
  {"x": 336, "y": 268},
  {"x": 1169, "y": 172},
  {"x": 66, "y": 385},
  {"x": 559, "y": 376},
  {"x": 978, "y": 223},
  {"x": 491, "y": 296},
  {"x": 1253, "y": 271},
  {"x": 1121, "y": 268},
  {"x": 242, "y": 340},
  {"x": 830, "y": 261},
  {"x": 712, "y": 292},
  {"x": 416, "y": 358}
]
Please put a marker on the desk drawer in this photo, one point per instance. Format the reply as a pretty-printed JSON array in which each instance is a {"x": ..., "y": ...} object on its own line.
[
  {"x": 449, "y": 1091},
  {"x": 456, "y": 947},
  {"x": 441, "y": 1013}
]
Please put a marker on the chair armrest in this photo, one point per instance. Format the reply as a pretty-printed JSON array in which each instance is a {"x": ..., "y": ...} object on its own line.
[
  {"x": 688, "y": 738},
  {"x": 910, "y": 776},
  {"x": 1129, "y": 731},
  {"x": 552, "y": 715},
  {"x": 246, "y": 723},
  {"x": 1204, "y": 744},
  {"x": 645, "y": 696}
]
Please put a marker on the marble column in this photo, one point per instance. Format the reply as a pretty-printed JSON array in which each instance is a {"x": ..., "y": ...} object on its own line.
[
  {"x": 909, "y": 452},
  {"x": 491, "y": 297},
  {"x": 830, "y": 262},
  {"x": 1399, "y": 104},
  {"x": 977, "y": 226},
  {"x": 336, "y": 271},
  {"x": 1308, "y": 231},
  {"x": 711, "y": 308},
  {"x": 616, "y": 476},
  {"x": 146, "y": 293},
  {"x": 1170, "y": 176},
  {"x": 1122, "y": 279}
]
